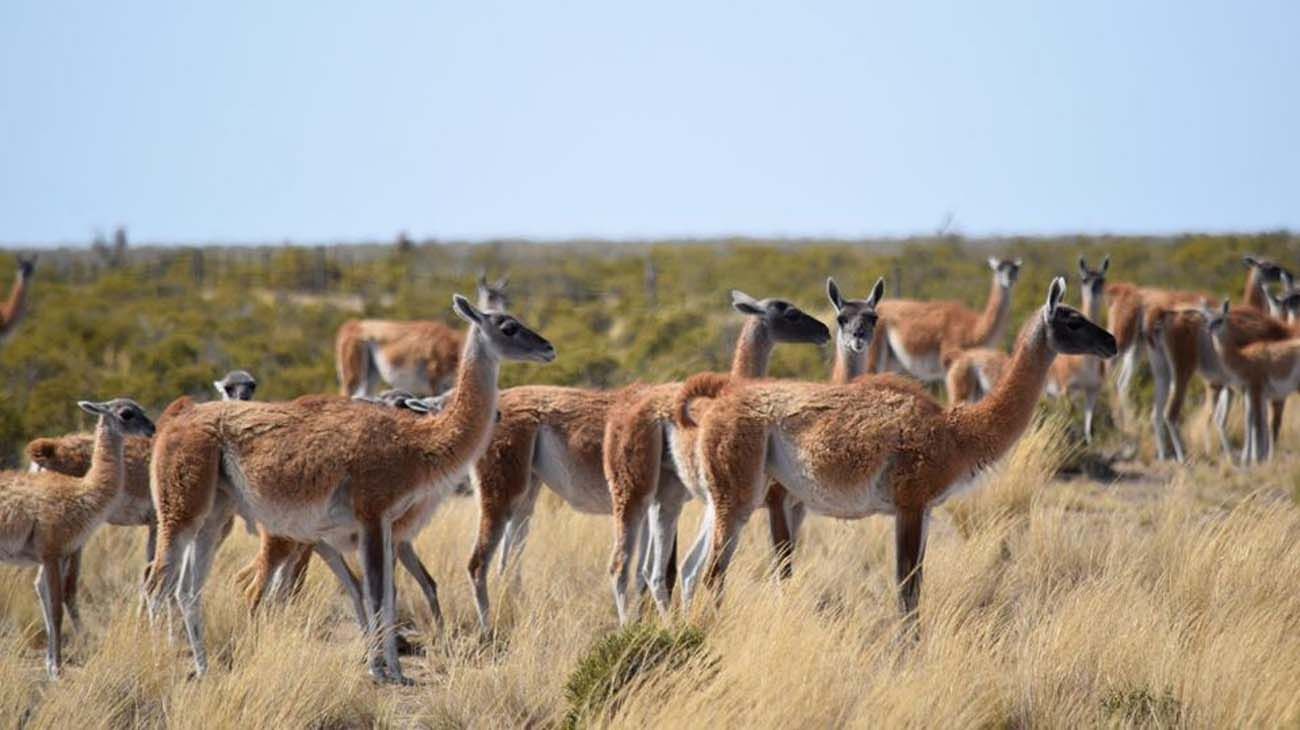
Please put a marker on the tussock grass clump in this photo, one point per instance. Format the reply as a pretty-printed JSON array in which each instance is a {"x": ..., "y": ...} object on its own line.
[{"x": 618, "y": 661}]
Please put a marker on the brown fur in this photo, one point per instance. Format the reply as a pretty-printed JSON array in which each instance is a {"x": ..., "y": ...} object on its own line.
[
  {"x": 294, "y": 462},
  {"x": 877, "y": 444},
  {"x": 46, "y": 517},
  {"x": 55, "y": 513},
  {"x": 935, "y": 328},
  {"x": 1186, "y": 347},
  {"x": 72, "y": 455},
  {"x": 430, "y": 349},
  {"x": 965, "y": 369}
]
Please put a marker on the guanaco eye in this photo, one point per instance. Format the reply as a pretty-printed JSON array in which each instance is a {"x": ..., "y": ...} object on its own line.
[
  {"x": 510, "y": 328},
  {"x": 791, "y": 313},
  {"x": 127, "y": 415}
]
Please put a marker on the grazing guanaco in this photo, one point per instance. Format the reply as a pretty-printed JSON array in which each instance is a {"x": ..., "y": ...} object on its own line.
[
  {"x": 1264, "y": 370},
  {"x": 880, "y": 444},
  {"x": 557, "y": 436},
  {"x": 418, "y": 356},
  {"x": 73, "y": 454},
  {"x": 46, "y": 517},
  {"x": 13, "y": 309},
  {"x": 651, "y": 470},
  {"x": 322, "y": 468},
  {"x": 915, "y": 335}
]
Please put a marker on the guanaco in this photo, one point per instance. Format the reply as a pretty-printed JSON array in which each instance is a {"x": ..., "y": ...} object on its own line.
[
  {"x": 417, "y": 356},
  {"x": 13, "y": 309},
  {"x": 1264, "y": 370},
  {"x": 46, "y": 517},
  {"x": 880, "y": 444},
  {"x": 322, "y": 467},
  {"x": 557, "y": 436},
  {"x": 651, "y": 471},
  {"x": 915, "y": 335}
]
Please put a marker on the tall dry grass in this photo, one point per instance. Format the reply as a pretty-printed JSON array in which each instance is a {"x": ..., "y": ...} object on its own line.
[{"x": 1167, "y": 601}]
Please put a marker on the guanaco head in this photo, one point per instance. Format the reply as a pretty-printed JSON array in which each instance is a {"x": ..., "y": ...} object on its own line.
[
  {"x": 1093, "y": 280},
  {"x": 785, "y": 321},
  {"x": 1267, "y": 270},
  {"x": 505, "y": 337},
  {"x": 492, "y": 297},
  {"x": 122, "y": 415},
  {"x": 394, "y": 398},
  {"x": 1216, "y": 320},
  {"x": 1287, "y": 305},
  {"x": 855, "y": 319},
  {"x": 236, "y": 385},
  {"x": 26, "y": 266},
  {"x": 1006, "y": 271},
  {"x": 398, "y": 398},
  {"x": 1071, "y": 333}
]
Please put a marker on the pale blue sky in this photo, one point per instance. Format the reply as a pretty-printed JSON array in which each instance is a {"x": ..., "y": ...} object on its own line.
[{"x": 322, "y": 121}]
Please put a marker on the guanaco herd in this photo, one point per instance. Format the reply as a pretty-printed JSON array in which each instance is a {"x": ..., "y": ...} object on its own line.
[{"x": 365, "y": 473}]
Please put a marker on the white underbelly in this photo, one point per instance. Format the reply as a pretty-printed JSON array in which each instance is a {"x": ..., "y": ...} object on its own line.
[
  {"x": 583, "y": 488},
  {"x": 305, "y": 522},
  {"x": 874, "y": 495},
  {"x": 958, "y": 489},
  {"x": 923, "y": 366}
]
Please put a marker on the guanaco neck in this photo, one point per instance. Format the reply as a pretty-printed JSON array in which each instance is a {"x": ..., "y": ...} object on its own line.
[
  {"x": 1255, "y": 295},
  {"x": 15, "y": 305},
  {"x": 455, "y": 435},
  {"x": 986, "y": 430},
  {"x": 1229, "y": 352},
  {"x": 103, "y": 482},
  {"x": 753, "y": 349},
  {"x": 1092, "y": 304},
  {"x": 848, "y": 364},
  {"x": 992, "y": 323}
]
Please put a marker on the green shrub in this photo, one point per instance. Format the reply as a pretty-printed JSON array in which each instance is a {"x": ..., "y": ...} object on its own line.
[{"x": 618, "y": 661}]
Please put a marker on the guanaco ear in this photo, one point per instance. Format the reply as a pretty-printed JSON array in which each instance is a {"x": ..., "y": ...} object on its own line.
[
  {"x": 877, "y": 293},
  {"x": 416, "y": 404},
  {"x": 1249, "y": 261},
  {"x": 1054, "y": 293},
  {"x": 745, "y": 304},
  {"x": 502, "y": 283},
  {"x": 833, "y": 294},
  {"x": 1083, "y": 267},
  {"x": 220, "y": 386},
  {"x": 993, "y": 263},
  {"x": 93, "y": 408},
  {"x": 1019, "y": 263},
  {"x": 1105, "y": 264},
  {"x": 465, "y": 310},
  {"x": 1287, "y": 280},
  {"x": 482, "y": 280},
  {"x": 1225, "y": 307}
]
